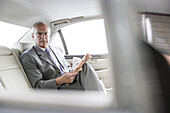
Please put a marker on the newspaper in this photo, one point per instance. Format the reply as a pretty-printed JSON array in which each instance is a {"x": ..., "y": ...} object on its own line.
[{"x": 78, "y": 62}]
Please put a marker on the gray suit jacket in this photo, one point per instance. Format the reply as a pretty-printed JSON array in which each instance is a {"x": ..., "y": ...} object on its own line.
[{"x": 40, "y": 69}]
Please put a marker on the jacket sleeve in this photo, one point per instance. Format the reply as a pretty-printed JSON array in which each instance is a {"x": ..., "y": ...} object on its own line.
[{"x": 34, "y": 74}]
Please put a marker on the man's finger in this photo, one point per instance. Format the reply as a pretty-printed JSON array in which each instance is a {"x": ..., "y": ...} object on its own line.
[
  {"x": 71, "y": 64},
  {"x": 67, "y": 84}
]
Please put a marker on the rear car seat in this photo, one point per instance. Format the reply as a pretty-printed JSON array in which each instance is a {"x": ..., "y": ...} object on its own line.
[
  {"x": 19, "y": 47},
  {"x": 12, "y": 76}
]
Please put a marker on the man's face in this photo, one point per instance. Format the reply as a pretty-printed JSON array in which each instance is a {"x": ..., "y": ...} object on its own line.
[{"x": 41, "y": 35}]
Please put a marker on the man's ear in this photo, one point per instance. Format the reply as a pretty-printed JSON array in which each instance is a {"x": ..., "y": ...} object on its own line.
[{"x": 33, "y": 36}]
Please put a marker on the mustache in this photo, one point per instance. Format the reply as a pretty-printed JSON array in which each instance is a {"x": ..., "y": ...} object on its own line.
[{"x": 43, "y": 40}]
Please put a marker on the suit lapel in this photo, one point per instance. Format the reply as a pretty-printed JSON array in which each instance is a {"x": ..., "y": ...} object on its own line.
[
  {"x": 57, "y": 56},
  {"x": 44, "y": 56}
]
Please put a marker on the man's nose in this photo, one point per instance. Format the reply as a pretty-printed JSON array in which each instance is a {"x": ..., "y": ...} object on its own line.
[{"x": 43, "y": 36}]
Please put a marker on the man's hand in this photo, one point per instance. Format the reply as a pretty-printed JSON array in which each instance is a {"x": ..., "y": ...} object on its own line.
[{"x": 66, "y": 78}]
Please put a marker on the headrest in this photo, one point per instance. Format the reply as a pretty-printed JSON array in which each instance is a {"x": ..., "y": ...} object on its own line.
[
  {"x": 5, "y": 50},
  {"x": 22, "y": 46},
  {"x": 27, "y": 45}
]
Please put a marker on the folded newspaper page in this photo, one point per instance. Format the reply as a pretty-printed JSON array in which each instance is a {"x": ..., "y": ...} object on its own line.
[{"x": 78, "y": 63}]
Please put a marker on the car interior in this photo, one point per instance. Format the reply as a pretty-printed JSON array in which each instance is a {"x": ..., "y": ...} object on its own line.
[{"x": 111, "y": 31}]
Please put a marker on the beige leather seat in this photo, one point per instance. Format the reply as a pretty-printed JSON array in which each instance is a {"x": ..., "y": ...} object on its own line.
[
  {"x": 12, "y": 76},
  {"x": 19, "y": 47}
]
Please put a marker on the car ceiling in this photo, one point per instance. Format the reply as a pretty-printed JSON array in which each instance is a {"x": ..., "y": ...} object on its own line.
[{"x": 27, "y": 12}]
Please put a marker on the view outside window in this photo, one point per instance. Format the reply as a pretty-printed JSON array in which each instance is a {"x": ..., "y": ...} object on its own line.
[
  {"x": 57, "y": 42},
  {"x": 11, "y": 33},
  {"x": 84, "y": 37}
]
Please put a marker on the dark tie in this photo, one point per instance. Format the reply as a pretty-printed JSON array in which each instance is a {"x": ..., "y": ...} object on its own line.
[{"x": 60, "y": 67}]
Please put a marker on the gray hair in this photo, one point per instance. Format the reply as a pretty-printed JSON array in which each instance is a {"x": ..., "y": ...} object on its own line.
[{"x": 38, "y": 23}]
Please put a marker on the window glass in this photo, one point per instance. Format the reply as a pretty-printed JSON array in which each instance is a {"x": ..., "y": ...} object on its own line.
[
  {"x": 57, "y": 42},
  {"x": 149, "y": 30},
  {"x": 86, "y": 37},
  {"x": 11, "y": 33}
]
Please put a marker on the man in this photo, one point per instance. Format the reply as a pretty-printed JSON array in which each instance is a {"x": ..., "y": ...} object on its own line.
[{"x": 47, "y": 68}]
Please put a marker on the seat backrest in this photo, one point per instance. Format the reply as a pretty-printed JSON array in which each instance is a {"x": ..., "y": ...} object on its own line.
[
  {"x": 17, "y": 50},
  {"x": 19, "y": 47},
  {"x": 12, "y": 76}
]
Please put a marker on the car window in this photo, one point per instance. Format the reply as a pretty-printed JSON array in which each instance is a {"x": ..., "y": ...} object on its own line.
[
  {"x": 149, "y": 30},
  {"x": 85, "y": 37},
  {"x": 11, "y": 33},
  {"x": 57, "y": 42}
]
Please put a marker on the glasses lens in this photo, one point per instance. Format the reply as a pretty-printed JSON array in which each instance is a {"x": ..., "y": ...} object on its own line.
[{"x": 40, "y": 33}]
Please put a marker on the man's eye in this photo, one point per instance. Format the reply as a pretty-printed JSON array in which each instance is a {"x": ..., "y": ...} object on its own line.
[{"x": 40, "y": 33}]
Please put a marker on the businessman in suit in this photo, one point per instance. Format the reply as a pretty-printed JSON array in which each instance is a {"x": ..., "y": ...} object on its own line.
[{"x": 47, "y": 68}]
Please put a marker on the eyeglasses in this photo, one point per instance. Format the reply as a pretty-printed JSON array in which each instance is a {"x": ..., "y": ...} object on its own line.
[{"x": 41, "y": 34}]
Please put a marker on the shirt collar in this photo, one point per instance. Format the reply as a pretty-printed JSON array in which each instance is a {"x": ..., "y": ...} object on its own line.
[{"x": 44, "y": 48}]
